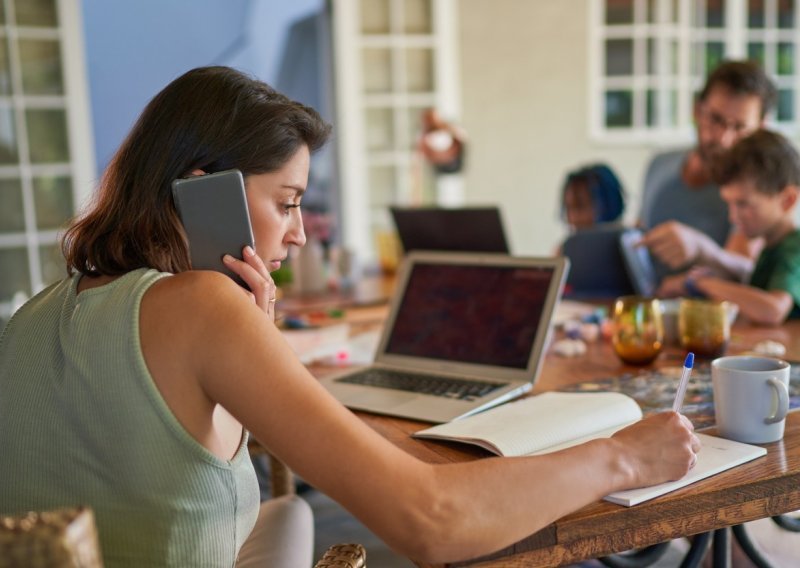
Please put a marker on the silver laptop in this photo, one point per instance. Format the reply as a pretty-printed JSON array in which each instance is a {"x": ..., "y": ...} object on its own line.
[{"x": 466, "y": 331}]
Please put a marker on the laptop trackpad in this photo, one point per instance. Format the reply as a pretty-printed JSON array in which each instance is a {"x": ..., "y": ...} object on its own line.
[{"x": 373, "y": 397}]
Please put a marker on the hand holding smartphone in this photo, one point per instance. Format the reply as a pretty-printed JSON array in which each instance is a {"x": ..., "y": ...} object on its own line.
[{"x": 213, "y": 210}]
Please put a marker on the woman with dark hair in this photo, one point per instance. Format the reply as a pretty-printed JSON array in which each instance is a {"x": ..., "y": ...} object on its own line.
[
  {"x": 591, "y": 195},
  {"x": 131, "y": 386}
]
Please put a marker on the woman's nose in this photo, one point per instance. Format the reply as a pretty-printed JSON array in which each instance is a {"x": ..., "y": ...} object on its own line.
[{"x": 296, "y": 235}]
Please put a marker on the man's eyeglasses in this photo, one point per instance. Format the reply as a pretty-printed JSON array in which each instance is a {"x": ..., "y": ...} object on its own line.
[{"x": 716, "y": 121}]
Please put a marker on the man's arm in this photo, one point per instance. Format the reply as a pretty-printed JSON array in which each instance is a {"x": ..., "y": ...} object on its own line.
[{"x": 676, "y": 245}]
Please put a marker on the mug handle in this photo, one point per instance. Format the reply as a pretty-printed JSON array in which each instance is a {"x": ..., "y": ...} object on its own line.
[{"x": 783, "y": 401}]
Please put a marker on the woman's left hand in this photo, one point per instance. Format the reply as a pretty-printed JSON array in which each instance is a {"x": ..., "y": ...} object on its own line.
[{"x": 255, "y": 274}]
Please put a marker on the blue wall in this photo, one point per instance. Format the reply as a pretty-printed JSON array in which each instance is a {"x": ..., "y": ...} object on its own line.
[{"x": 133, "y": 49}]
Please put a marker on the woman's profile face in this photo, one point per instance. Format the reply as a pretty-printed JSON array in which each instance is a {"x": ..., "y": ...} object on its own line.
[
  {"x": 578, "y": 205},
  {"x": 274, "y": 203}
]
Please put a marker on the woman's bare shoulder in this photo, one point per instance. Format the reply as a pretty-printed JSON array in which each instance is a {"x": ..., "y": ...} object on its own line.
[
  {"x": 195, "y": 286},
  {"x": 195, "y": 295}
]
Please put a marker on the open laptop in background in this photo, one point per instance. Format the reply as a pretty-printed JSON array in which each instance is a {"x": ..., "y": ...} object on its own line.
[
  {"x": 465, "y": 332},
  {"x": 466, "y": 229},
  {"x": 605, "y": 263}
]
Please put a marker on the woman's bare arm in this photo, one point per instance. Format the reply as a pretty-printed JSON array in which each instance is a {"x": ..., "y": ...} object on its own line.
[{"x": 432, "y": 513}]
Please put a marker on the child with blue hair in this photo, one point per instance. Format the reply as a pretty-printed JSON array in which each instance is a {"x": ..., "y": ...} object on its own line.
[{"x": 592, "y": 194}]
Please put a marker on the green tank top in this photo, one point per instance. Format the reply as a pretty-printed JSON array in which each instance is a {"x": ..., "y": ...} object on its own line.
[{"x": 82, "y": 422}]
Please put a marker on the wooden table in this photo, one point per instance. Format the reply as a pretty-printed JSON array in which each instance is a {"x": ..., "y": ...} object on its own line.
[{"x": 765, "y": 487}]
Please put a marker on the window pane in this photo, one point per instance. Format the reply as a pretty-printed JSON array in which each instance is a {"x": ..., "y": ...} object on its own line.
[
  {"x": 380, "y": 129},
  {"x": 8, "y": 137},
  {"x": 419, "y": 70},
  {"x": 672, "y": 111},
  {"x": 785, "y": 62},
  {"x": 715, "y": 13},
  {"x": 377, "y": 70},
  {"x": 16, "y": 275},
  {"x": 52, "y": 197},
  {"x": 670, "y": 60},
  {"x": 417, "y": 17},
  {"x": 12, "y": 214},
  {"x": 619, "y": 108},
  {"x": 41, "y": 67},
  {"x": 619, "y": 12},
  {"x": 755, "y": 52},
  {"x": 652, "y": 11},
  {"x": 715, "y": 53},
  {"x": 785, "y": 105},
  {"x": 651, "y": 98},
  {"x": 415, "y": 126},
  {"x": 786, "y": 14},
  {"x": 5, "y": 68},
  {"x": 674, "y": 51},
  {"x": 47, "y": 135},
  {"x": 652, "y": 56},
  {"x": 54, "y": 267},
  {"x": 375, "y": 17},
  {"x": 381, "y": 185},
  {"x": 619, "y": 57},
  {"x": 36, "y": 13},
  {"x": 755, "y": 13}
]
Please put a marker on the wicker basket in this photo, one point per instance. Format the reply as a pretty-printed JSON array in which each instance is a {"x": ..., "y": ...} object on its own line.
[{"x": 65, "y": 538}]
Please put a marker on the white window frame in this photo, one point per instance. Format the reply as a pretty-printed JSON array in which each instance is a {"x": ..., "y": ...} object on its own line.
[
  {"x": 351, "y": 103},
  {"x": 75, "y": 102},
  {"x": 734, "y": 35}
]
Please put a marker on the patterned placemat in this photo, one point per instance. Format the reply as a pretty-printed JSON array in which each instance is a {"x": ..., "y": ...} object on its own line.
[{"x": 654, "y": 390}]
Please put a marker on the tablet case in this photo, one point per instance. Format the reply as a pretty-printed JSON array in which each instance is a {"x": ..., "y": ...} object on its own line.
[{"x": 606, "y": 263}]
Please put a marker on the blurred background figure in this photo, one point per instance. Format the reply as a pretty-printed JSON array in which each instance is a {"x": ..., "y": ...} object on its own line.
[
  {"x": 592, "y": 204},
  {"x": 439, "y": 162},
  {"x": 441, "y": 143},
  {"x": 592, "y": 195},
  {"x": 682, "y": 211}
]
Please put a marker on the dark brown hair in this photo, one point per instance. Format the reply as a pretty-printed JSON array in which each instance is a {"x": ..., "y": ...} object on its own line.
[
  {"x": 765, "y": 158},
  {"x": 742, "y": 78},
  {"x": 210, "y": 118}
]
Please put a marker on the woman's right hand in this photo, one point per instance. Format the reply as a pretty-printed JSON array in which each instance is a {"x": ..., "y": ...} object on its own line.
[
  {"x": 659, "y": 448},
  {"x": 257, "y": 277}
]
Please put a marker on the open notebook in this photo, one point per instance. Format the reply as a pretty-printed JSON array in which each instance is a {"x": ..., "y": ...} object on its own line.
[
  {"x": 556, "y": 420},
  {"x": 465, "y": 332}
]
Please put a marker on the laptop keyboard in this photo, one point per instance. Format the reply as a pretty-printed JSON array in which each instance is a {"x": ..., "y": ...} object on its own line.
[{"x": 457, "y": 389}]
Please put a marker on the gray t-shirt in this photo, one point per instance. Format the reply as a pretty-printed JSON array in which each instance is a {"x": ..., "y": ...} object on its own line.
[{"x": 666, "y": 197}]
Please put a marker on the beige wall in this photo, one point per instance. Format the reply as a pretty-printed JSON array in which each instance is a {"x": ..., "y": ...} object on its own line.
[{"x": 524, "y": 89}]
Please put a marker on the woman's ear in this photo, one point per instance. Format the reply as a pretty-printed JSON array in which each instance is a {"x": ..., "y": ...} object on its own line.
[{"x": 197, "y": 172}]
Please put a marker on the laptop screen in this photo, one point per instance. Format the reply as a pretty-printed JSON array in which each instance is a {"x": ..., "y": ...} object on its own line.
[
  {"x": 467, "y": 229},
  {"x": 487, "y": 315}
]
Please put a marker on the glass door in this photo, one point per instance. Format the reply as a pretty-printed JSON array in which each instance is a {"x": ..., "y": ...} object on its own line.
[{"x": 45, "y": 150}]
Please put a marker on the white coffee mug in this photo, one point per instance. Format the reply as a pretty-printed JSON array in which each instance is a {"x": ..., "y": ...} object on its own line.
[{"x": 751, "y": 398}]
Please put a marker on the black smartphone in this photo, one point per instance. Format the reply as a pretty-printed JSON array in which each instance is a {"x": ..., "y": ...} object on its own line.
[{"x": 213, "y": 210}]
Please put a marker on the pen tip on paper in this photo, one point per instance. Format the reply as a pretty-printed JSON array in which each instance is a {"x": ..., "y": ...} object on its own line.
[{"x": 689, "y": 362}]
